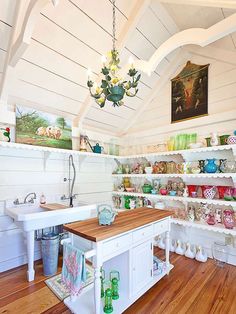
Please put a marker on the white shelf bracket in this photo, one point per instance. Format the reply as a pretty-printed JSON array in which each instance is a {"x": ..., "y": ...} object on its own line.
[
  {"x": 234, "y": 180},
  {"x": 81, "y": 160},
  {"x": 234, "y": 151},
  {"x": 185, "y": 155},
  {"x": 45, "y": 158}
]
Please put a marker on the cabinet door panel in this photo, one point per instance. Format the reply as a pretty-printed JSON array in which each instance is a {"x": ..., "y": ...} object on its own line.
[{"x": 142, "y": 259}]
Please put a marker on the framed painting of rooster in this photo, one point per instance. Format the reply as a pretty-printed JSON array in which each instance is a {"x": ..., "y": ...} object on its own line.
[{"x": 189, "y": 93}]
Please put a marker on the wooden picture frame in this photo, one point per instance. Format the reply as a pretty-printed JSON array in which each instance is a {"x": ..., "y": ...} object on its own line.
[
  {"x": 189, "y": 93},
  {"x": 40, "y": 128}
]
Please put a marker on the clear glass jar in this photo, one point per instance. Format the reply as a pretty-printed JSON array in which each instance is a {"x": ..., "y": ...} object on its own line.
[
  {"x": 113, "y": 147},
  {"x": 220, "y": 253}
]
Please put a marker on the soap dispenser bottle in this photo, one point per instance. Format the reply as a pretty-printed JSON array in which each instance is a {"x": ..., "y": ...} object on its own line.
[{"x": 42, "y": 199}]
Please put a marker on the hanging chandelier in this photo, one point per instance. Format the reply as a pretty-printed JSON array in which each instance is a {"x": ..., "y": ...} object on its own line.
[{"x": 113, "y": 87}]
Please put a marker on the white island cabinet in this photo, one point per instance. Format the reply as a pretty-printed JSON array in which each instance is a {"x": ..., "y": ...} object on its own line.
[{"x": 125, "y": 246}]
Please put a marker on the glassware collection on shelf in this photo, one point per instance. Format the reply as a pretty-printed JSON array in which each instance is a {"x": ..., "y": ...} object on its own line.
[
  {"x": 171, "y": 167},
  {"x": 169, "y": 183}
]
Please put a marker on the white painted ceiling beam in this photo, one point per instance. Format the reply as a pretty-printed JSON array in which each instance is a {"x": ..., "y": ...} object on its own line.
[
  {"x": 172, "y": 67},
  {"x": 24, "y": 38},
  {"x": 197, "y": 36},
  {"x": 137, "y": 11},
  {"x": 229, "y": 4}
]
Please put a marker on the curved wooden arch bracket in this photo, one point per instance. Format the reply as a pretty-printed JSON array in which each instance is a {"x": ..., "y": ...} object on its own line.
[
  {"x": 23, "y": 40},
  {"x": 192, "y": 36}
]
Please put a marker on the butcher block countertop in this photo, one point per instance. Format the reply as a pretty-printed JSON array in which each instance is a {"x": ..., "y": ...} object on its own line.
[{"x": 124, "y": 221}]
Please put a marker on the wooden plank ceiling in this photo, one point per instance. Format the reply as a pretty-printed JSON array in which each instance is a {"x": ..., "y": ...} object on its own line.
[{"x": 72, "y": 37}]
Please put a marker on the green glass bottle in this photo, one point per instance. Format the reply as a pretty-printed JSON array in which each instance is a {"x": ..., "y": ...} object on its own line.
[
  {"x": 108, "y": 308},
  {"x": 115, "y": 278},
  {"x": 102, "y": 277}
]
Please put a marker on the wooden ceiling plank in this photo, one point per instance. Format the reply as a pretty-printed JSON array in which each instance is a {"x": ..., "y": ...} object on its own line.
[
  {"x": 7, "y": 11},
  {"x": 217, "y": 54},
  {"x": 229, "y": 4},
  {"x": 7, "y": 70},
  {"x": 59, "y": 40},
  {"x": 31, "y": 103},
  {"x": 46, "y": 97},
  {"x": 27, "y": 71},
  {"x": 23, "y": 40}
]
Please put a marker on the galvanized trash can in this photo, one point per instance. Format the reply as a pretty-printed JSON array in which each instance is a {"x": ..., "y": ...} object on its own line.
[{"x": 50, "y": 250}]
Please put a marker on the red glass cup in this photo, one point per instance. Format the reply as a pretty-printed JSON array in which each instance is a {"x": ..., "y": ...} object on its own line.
[
  {"x": 204, "y": 187},
  {"x": 221, "y": 191},
  {"x": 191, "y": 189}
]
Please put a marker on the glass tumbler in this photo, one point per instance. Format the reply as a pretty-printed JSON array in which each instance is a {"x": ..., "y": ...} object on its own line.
[{"x": 220, "y": 253}]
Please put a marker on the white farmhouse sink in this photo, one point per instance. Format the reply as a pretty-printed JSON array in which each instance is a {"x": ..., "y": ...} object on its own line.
[
  {"x": 32, "y": 217},
  {"x": 29, "y": 217}
]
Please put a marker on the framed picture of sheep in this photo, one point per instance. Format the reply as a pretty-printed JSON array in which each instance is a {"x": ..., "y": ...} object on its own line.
[{"x": 35, "y": 127}]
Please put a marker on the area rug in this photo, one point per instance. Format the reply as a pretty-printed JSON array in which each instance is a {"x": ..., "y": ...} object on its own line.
[{"x": 60, "y": 290}]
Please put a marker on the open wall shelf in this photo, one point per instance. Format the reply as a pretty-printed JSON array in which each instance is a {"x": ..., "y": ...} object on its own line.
[
  {"x": 178, "y": 198},
  {"x": 53, "y": 150},
  {"x": 204, "y": 226},
  {"x": 183, "y": 153},
  {"x": 177, "y": 175}
]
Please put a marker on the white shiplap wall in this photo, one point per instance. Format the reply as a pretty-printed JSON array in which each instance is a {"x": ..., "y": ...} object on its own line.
[
  {"x": 154, "y": 126},
  {"x": 22, "y": 172}
]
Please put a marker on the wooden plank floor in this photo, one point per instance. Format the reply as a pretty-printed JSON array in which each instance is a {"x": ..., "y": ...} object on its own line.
[{"x": 191, "y": 287}]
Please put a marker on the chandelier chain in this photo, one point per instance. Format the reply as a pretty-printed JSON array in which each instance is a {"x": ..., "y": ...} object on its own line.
[
  {"x": 112, "y": 87},
  {"x": 114, "y": 25}
]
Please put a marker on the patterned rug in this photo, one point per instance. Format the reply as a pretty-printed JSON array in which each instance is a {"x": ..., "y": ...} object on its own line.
[{"x": 60, "y": 290}]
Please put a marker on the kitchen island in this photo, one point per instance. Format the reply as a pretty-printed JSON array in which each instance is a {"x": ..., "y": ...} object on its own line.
[{"x": 125, "y": 246}]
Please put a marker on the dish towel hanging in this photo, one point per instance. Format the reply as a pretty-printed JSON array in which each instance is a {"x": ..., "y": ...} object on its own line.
[{"x": 73, "y": 269}]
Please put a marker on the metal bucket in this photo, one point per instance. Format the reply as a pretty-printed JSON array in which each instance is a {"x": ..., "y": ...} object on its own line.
[{"x": 50, "y": 250}]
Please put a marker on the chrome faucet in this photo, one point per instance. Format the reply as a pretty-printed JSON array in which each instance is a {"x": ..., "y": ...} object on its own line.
[
  {"x": 71, "y": 196},
  {"x": 31, "y": 200}
]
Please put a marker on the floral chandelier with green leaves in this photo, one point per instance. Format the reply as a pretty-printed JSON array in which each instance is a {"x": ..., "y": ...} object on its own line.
[{"x": 113, "y": 87}]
